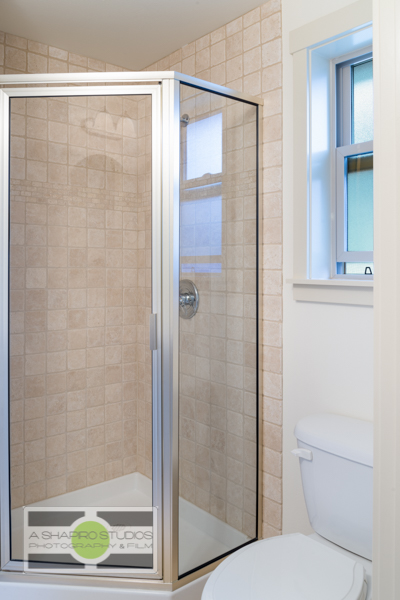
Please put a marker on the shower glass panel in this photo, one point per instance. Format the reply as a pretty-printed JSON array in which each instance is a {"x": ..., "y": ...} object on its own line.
[
  {"x": 218, "y": 381},
  {"x": 80, "y": 301}
]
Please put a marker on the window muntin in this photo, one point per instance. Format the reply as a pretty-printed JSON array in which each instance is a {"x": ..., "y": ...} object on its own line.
[{"x": 354, "y": 167}]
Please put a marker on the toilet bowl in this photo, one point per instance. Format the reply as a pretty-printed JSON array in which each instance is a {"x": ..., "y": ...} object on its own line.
[
  {"x": 288, "y": 567},
  {"x": 334, "y": 563}
]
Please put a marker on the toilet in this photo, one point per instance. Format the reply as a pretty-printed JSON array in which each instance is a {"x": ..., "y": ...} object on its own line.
[{"x": 334, "y": 563}]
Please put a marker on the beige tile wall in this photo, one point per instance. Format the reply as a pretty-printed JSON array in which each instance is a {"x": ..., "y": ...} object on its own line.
[
  {"x": 80, "y": 293},
  {"x": 246, "y": 55},
  {"x": 19, "y": 55}
]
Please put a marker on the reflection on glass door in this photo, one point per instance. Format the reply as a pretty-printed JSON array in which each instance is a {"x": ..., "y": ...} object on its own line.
[
  {"x": 80, "y": 300},
  {"x": 218, "y": 343}
]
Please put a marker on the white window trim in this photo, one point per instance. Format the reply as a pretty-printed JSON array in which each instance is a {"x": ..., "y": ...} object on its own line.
[{"x": 342, "y": 32}]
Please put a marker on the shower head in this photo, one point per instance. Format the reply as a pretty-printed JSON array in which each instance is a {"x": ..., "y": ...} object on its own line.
[{"x": 185, "y": 120}]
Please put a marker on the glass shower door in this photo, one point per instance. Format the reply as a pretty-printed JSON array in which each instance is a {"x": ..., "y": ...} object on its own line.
[
  {"x": 83, "y": 381},
  {"x": 218, "y": 382}
]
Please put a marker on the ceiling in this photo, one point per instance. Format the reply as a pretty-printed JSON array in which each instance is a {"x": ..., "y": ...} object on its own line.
[{"x": 129, "y": 33}]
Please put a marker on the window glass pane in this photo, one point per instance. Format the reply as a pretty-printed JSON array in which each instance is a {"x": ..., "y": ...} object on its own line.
[
  {"x": 358, "y": 268},
  {"x": 204, "y": 147},
  {"x": 201, "y": 229},
  {"x": 360, "y": 224},
  {"x": 362, "y": 121}
]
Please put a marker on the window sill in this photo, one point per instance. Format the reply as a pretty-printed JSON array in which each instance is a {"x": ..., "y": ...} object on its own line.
[{"x": 335, "y": 291}]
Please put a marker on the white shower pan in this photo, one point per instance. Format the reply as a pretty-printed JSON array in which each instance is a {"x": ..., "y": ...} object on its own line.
[{"x": 202, "y": 537}]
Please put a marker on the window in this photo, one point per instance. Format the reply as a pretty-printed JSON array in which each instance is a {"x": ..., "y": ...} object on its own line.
[
  {"x": 201, "y": 229},
  {"x": 201, "y": 195},
  {"x": 354, "y": 167},
  {"x": 204, "y": 147},
  {"x": 333, "y": 158}
]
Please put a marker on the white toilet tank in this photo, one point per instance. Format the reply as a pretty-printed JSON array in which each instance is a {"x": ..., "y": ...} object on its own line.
[{"x": 337, "y": 482}]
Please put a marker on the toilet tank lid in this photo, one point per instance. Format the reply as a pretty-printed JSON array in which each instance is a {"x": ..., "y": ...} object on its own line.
[{"x": 342, "y": 436}]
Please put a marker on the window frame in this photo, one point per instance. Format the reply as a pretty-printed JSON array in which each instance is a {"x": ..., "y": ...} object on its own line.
[
  {"x": 344, "y": 148},
  {"x": 317, "y": 44}
]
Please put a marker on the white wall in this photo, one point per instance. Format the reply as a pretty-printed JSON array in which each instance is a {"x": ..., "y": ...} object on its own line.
[{"x": 327, "y": 348}]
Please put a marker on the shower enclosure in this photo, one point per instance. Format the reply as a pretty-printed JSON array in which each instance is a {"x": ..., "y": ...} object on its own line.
[{"x": 129, "y": 311}]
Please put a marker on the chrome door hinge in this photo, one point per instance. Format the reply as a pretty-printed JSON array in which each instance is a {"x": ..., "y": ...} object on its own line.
[{"x": 153, "y": 331}]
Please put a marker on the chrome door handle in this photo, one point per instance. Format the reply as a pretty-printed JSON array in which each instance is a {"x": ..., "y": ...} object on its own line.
[
  {"x": 303, "y": 453},
  {"x": 153, "y": 331}
]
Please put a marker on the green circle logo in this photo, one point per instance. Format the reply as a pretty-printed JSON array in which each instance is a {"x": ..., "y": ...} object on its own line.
[{"x": 90, "y": 539}]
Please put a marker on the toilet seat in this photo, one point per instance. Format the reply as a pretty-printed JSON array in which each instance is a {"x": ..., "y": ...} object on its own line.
[{"x": 288, "y": 567}]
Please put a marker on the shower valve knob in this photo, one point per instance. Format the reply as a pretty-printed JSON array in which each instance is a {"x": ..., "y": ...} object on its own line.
[{"x": 188, "y": 299}]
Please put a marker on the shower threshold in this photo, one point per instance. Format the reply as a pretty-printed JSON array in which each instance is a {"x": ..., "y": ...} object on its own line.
[{"x": 202, "y": 537}]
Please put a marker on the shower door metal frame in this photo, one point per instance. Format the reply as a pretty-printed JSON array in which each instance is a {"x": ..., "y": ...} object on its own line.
[
  {"x": 171, "y": 307},
  {"x": 164, "y": 86},
  {"x": 154, "y": 91},
  {"x": 170, "y": 315}
]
